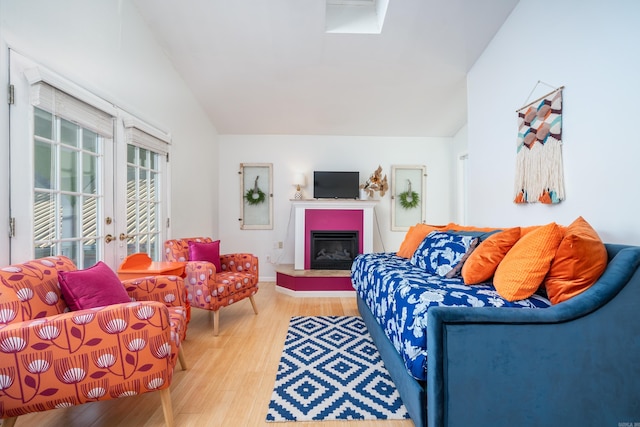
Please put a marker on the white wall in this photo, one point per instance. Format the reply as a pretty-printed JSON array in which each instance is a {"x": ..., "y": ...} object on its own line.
[
  {"x": 458, "y": 149},
  {"x": 104, "y": 46},
  {"x": 290, "y": 154},
  {"x": 590, "y": 47}
]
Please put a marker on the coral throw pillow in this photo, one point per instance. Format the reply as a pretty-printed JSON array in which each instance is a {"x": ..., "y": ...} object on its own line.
[
  {"x": 580, "y": 260},
  {"x": 440, "y": 252},
  {"x": 96, "y": 286},
  {"x": 414, "y": 237},
  {"x": 523, "y": 269},
  {"x": 210, "y": 252},
  {"x": 483, "y": 261}
]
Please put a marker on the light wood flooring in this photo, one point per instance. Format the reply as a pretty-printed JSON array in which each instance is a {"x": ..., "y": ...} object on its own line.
[{"x": 229, "y": 378}]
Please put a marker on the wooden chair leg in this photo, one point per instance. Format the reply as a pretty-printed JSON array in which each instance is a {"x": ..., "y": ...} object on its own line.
[
  {"x": 253, "y": 304},
  {"x": 9, "y": 422},
  {"x": 167, "y": 410},
  {"x": 216, "y": 322},
  {"x": 183, "y": 363}
]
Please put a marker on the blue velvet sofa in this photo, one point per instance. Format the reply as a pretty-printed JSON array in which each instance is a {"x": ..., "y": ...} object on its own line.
[{"x": 576, "y": 363}]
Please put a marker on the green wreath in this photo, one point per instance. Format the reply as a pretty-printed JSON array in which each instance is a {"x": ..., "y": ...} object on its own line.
[
  {"x": 409, "y": 199},
  {"x": 255, "y": 196}
]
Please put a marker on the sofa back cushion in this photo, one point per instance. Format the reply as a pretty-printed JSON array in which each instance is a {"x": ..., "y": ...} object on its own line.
[
  {"x": 177, "y": 250},
  {"x": 580, "y": 260},
  {"x": 30, "y": 291}
]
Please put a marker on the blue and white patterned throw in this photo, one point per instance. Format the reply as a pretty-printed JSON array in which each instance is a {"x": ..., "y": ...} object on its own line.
[{"x": 331, "y": 370}]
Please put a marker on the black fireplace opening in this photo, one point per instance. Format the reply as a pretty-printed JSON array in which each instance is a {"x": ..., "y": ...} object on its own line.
[{"x": 333, "y": 250}]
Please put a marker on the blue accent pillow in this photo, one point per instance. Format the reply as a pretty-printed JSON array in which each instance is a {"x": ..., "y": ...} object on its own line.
[{"x": 441, "y": 251}]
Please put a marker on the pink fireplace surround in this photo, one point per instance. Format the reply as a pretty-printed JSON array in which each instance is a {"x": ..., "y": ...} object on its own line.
[
  {"x": 331, "y": 215},
  {"x": 330, "y": 220}
]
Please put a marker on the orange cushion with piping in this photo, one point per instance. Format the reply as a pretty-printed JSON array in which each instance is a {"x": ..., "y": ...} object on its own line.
[
  {"x": 483, "y": 261},
  {"x": 414, "y": 237},
  {"x": 580, "y": 261},
  {"x": 523, "y": 269}
]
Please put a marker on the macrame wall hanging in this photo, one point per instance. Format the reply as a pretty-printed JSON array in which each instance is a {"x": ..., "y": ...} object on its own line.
[{"x": 539, "y": 173}]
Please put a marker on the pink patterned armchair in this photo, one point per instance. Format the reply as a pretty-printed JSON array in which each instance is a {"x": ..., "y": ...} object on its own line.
[
  {"x": 210, "y": 289},
  {"x": 51, "y": 357}
]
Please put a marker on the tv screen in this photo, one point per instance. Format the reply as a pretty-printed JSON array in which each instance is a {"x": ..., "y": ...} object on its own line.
[{"x": 336, "y": 185}]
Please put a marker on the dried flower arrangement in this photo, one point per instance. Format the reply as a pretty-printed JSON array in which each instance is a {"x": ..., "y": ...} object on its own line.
[{"x": 376, "y": 183}]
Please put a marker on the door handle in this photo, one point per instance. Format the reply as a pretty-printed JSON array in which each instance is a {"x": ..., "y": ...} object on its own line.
[
  {"x": 109, "y": 238},
  {"x": 123, "y": 236}
]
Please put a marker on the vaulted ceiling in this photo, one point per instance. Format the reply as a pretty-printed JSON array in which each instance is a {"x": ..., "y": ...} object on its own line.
[{"x": 270, "y": 67}]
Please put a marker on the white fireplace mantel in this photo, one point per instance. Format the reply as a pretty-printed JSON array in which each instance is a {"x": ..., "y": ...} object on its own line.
[{"x": 300, "y": 206}]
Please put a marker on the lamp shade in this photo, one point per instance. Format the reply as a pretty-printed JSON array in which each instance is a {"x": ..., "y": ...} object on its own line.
[{"x": 299, "y": 180}]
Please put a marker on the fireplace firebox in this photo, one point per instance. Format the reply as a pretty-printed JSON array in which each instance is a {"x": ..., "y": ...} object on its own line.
[{"x": 333, "y": 250}]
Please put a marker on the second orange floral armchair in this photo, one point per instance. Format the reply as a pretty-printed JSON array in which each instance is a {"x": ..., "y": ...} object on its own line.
[{"x": 212, "y": 288}]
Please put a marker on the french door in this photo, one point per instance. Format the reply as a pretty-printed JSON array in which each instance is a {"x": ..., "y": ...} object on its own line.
[{"x": 83, "y": 184}]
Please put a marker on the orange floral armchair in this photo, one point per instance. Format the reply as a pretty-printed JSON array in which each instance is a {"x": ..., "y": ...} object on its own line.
[
  {"x": 210, "y": 289},
  {"x": 51, "y": 357}
]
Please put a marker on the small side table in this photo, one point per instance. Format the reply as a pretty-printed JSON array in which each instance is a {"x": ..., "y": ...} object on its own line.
[{"x": 140, "y": 265}]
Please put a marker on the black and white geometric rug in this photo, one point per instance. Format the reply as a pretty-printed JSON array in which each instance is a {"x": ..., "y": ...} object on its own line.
[{"x": 331, "y": 370}]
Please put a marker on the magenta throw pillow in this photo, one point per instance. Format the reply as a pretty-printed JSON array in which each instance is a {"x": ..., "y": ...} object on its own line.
[
  {"x": 199, "y": 251},
  {"x": 96, "y": 286}
]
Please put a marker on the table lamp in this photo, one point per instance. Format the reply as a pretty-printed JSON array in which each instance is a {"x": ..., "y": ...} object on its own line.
[{"x": 299, "y": 181}]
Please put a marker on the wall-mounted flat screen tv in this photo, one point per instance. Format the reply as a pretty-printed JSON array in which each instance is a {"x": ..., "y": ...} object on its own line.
[{"x": 336, "y": 185}]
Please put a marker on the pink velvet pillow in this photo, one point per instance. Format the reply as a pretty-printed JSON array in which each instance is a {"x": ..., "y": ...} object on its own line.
[
  {"x": 199, "y": 251},
  {"x": 96, "y": 286}
]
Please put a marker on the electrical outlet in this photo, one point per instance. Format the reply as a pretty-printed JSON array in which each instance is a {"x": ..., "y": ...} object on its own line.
[{"x": 280, "y": 245}]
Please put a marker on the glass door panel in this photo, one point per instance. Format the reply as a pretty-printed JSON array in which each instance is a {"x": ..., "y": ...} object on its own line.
[
  {"x": 143, "y": 207},
  {"x": 67, "y": 202}
]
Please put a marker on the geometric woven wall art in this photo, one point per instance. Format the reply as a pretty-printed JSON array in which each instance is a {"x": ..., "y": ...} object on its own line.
[{"x": 539, "y": 173}]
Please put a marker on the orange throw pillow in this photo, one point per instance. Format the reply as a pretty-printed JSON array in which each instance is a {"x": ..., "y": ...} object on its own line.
[
  {"x": 484, "y": 260},
  {"x": 526, "y": 264},
  {"x": 580, "y": 261},
  {"x": 414, "y": 237}
]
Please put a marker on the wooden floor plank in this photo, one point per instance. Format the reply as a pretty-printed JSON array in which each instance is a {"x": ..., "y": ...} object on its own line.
[{"x": 230, "y": 377}]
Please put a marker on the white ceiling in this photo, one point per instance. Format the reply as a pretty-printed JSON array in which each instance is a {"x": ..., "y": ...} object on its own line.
[{"x": 269, "y": 67}]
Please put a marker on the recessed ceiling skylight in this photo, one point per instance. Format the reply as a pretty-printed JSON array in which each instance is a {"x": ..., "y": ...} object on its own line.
[{"x": 355, "y": 16}]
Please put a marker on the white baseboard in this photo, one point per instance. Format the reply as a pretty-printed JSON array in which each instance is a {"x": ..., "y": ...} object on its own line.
[{"x": 315, "y": 294}]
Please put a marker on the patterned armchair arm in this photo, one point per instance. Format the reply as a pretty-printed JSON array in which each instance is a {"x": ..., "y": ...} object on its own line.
[
  {"x": 240, "y": 263},
  {"x": 200, "y": 282},
  {"x": 168, "y": 290},
  {"x": 85, "y": 356}
]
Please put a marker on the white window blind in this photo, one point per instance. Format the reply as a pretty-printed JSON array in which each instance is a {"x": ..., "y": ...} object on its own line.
[
  {"x": 142, "y": 135},
  {"x": 69, "y": 108}
]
